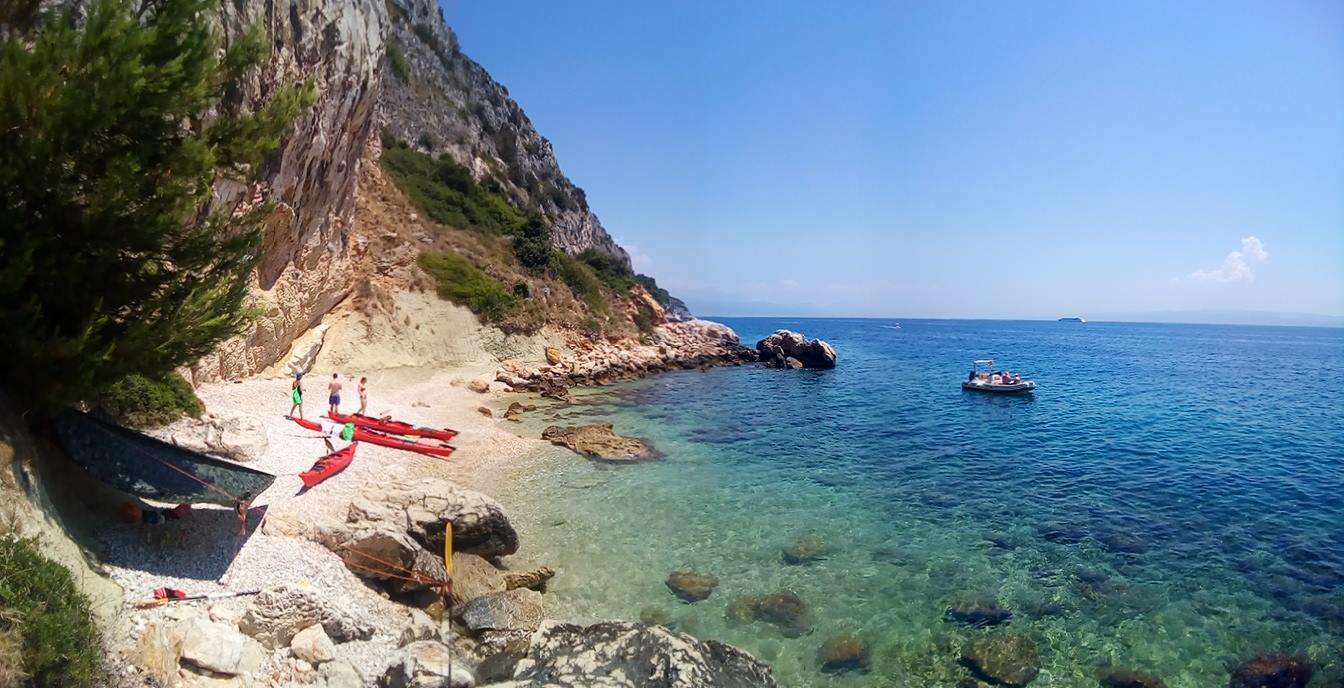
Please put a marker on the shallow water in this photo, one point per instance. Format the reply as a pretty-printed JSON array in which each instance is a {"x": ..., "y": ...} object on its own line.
[{"x": 1170, "y": 500}]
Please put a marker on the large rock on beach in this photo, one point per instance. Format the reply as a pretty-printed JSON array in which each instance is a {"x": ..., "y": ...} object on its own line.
[
  {"x": 619, "y": 654},
  {"x": 218, "y": 648},
  {"x": 511, "y": 610},
  {"x": 844, "y": 652},
  {"x": 237, "y": 436},
  {"x": 276, "y": 615},
  {"x": 426, "y": 664},
  {"x": 313, "y": 645},
  {"x": 423, "y": 509},
  {"x": 599, "y": 441},
  {"x": 534, "y": 579},
  {"x": 776, "y": 350},
  {"x": 1272, "y": 670},
  {"x": 473, "y": 576},
  {"x": 1007, "y": 659},
  {"x": 691, "y": 586}
]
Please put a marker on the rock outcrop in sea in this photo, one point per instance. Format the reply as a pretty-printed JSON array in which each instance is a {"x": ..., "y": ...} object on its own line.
[
  {"x": 599, "y": 441},
  {"x": 788, "y": 349}
]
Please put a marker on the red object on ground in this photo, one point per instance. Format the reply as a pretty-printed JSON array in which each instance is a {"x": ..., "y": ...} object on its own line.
[
  {"x": 394, "y": 427},
  {"x": 169, "y": 593},
  {"x": 329, "y": 465},
  {"x": 386, "y": 440}
]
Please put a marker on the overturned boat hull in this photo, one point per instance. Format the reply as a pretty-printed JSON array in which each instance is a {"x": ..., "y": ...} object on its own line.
[{"x": 146, "y": 467}]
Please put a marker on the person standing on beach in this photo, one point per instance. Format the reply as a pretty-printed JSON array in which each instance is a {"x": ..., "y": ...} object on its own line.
[
  {"x": 334, "y": 394},
  {"x": 363, "y": 395},
  {"x": 296, "y": 394}
]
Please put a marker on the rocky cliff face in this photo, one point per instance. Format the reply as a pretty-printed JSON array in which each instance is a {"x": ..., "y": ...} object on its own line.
[
  {"x": 445, "y": 103},
  {"x": 339, "y": 44}
]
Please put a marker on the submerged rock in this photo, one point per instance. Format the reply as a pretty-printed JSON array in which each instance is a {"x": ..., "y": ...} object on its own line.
[
  {"x": 600, "y": 441},
  {"x": 977, "y": 611},
  {"x": 776, "y": 350},
  {"x": 1007, "y": 659},
  {"x": 1061, "y": 532},
  {"x": 534, "y": 579},
  {"x": 786, "y": 610},
  {"x": 845, "y": 652},
  {"x": 623, "y": 654},
  {"x": 691, "y": 586},
  {"x": 1272, "y": 670},
  {"x": 742, "y": 610},
  {"x": 807, "y": 549},
  {"x": 1125, "y": 678}
]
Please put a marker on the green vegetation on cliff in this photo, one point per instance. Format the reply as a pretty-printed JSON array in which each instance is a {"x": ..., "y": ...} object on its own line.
[
  {"x": 47, "y": 635},
  {"x": 447, "y": 193},
  {"x": 108, "y": 267},
  {"x": 466, "y": 285}
]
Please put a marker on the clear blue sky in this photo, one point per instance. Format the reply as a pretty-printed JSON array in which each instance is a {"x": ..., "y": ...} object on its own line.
[{"x": 947, "y": 159}]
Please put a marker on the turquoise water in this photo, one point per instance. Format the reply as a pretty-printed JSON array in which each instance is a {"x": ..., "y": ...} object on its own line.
[{"x": 1170, "y": 500}]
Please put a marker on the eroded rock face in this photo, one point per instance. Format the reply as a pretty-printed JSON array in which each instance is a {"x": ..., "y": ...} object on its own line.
[
  {"x": 1007, "y": 659},
  {"x": 618, "y": 653},
  {"x": 1272, "y": 670},
  {"x": 600, "y": 441},
  {"x": 777, "y": 349},
  {"x": 306, "y": 255}
]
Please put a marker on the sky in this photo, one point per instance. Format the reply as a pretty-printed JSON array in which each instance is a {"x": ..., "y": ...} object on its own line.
[{"x": 967, "y": 159}]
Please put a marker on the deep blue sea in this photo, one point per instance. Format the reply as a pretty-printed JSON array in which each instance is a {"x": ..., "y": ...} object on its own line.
[{"x": 1170, "y": 499}]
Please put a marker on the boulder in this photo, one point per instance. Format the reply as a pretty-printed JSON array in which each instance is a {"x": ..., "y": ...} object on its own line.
[
  {"x": 629, "y": 655},
  {"x": 237, "y": 436},
  {"x": 479, "y": 385},
  {"x": 807, "y": 549},
  {"x": 426, "y": 664},
  {"x": 599, "y": 441},
  {"x": 1125, "y": 678},
  {"x": 844, "y": 652},
  {"x": 1007, "y": 659},
  {"x": 510, "y": 610},
  {"x": 552, "y": 355},
  {"x": 473, "y": 576},
  {"x": 422, "y": 509},
  {"x": 218, "y": 648},
  {"x": 276, "y": 615},
  {"x": 741, "y": 610},
  {"x": 779, "y": 347},
  {"x": 785, "y": 610},
  {"x": 977, "y": 611},
  {"x": 1272, "y": 670},
  {"x": 517, "y": 409},
  {"x": 691, "y": 586},
  {"x": 312, "y": 645},
  {"x": 534, "y": 579},
  {"x": 339, "y": 675}
]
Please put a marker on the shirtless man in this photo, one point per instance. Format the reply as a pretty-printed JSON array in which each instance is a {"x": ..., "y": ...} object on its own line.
[{"x": 334, "y": 394}]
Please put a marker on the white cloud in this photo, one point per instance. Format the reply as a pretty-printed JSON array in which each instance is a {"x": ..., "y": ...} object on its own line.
[{"x": 1236, "y": 266}]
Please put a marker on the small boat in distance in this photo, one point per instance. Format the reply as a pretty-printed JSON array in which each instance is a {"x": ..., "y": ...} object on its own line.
[
  {"x": 990, "y": 380},
  {"x": 1072, "y": 319}
]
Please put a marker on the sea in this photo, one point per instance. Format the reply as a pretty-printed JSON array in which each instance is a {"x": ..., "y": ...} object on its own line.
[{"x": 1169, "y": 500}]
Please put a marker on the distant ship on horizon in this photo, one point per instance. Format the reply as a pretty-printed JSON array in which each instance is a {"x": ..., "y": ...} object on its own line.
[{"x": 1073, "y": 319}]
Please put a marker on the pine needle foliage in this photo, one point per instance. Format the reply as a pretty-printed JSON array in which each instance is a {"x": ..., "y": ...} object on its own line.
[{"x": 109, "y": 265}]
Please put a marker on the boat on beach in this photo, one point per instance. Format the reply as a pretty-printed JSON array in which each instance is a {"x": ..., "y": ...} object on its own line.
[
  {"x": 439, "y": 449},
  {"x": 150, "y": 468},
  {"x": 329, "y": 465},
  {"x": 983, "y": 378},
  {"x": 394, "y": 427}
]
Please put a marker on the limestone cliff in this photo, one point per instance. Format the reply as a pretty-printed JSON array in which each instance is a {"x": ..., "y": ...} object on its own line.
[{"x": 447, "y": 104}]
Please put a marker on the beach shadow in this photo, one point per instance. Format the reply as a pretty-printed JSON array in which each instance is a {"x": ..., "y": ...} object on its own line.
[{"x": 199, "y": 547}]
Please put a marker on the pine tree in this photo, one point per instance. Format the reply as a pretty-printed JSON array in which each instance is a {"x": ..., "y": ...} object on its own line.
[{"x": 109, "y": 143}]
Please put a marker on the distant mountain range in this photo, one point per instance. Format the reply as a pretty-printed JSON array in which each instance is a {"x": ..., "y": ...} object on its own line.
[{"x": 1226, "y": 317}]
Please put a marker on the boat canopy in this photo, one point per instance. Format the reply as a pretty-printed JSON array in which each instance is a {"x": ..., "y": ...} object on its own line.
[{"x": 985, "y": 361}]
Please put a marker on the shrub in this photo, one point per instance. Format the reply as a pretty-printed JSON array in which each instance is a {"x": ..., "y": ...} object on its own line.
[
  {"x": 580, "y": 279},
  {"x": 425, "y": 141},
  {"x": 397, "y": 60},
  {"x": 107, "y": 265},
  {"x": 41, "y": 605},
  {"x": 643, "y": 318},
  {"x": 609, "y": 269},
  {"x": 149, "y": 401},
  {"x": 521, "y": 290},
  {"x": 445, "y": 191},
  {"x": 532, "y": 245},
  {"x": 466, "y": 285},
  {"x": 658, "y": 293}
]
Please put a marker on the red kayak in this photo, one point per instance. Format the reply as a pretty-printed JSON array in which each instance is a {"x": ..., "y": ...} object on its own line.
[
  {"x": 394, "y": 427},
  {"x": 385, "y": 440},
  {"x": 329, "y": 465}
]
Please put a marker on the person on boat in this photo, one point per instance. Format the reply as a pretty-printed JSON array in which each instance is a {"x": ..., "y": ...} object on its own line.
[
  {"x": 971, "y": 376},
  {"x": 332, "y": 431},
  {"x": 334, "y": 394},
  {"x": 363, "y": 395},
  {"x": 296, "y": 394}
]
